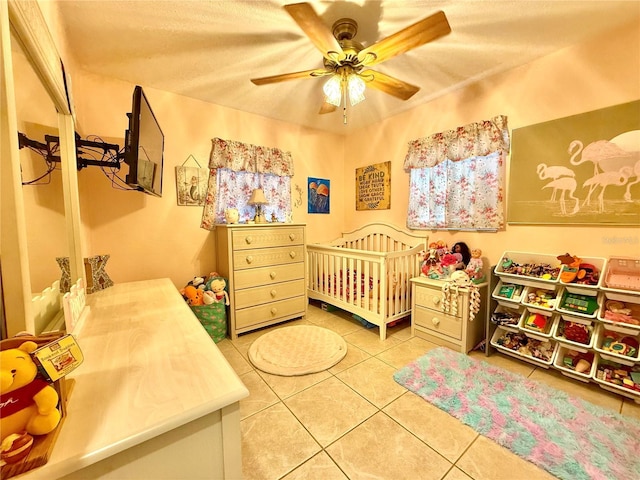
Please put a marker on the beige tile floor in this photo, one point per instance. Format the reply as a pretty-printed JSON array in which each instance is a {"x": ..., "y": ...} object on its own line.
[{"x": 354, "y": 421}]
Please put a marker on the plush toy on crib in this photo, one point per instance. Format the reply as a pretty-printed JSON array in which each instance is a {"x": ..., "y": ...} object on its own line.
[{"x": 475, "y": 267}]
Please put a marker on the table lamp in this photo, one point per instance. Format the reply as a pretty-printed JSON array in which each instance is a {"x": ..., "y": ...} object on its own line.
[{"x": 258, "y": 199}]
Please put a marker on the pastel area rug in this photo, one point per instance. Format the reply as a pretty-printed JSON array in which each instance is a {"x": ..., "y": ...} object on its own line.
[
  {"x": 570, "y": 438},
  {"x": 297, "y": 350}
]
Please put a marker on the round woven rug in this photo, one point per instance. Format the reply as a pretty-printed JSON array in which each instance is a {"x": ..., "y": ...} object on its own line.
[{"x": 297, "y": 350}]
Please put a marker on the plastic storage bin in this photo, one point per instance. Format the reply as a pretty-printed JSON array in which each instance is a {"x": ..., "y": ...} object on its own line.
[
  {"x": 508, "y": 292},
  {"x": 537, "y": 324},
  {"x": 542, "y": 299},
  {"x": 620, "y": 309},
  {"x": 589, "y": 268},
  {"x": 571, "y": 363},
  {"x": 507, "y": 315},
  {"x": 517, "y": 344},
  {"x": 618, "y": 344},
  {"x": 571, "y": 331},
  {"x": 618, "y": 378},
  {"x": 580, "y": 303},
  {"x": 622, "y": 274},
  {"x": 530, "y": 273}
]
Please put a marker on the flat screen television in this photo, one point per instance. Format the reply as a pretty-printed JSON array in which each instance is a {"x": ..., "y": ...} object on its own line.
[{"x": 144, "y": 147}]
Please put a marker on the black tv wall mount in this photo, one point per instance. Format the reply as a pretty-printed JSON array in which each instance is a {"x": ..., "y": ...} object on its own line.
[{"x": 52, "y": 145}]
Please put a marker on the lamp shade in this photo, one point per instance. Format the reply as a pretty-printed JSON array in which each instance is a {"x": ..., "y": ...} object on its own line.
[
  {"x": 333, "y": 90},
  {"x": 257, "y": 197}
]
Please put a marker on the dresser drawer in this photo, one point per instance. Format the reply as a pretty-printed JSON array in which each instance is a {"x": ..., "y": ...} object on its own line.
[
  {"x": 432, "y": 298},
  {"x": 438, "y": 322},
  {"x": 248, "y": 317},
  {"x": 268, "y": 256},
  {"x": 249, "y": 297},
  {"x": 267, "y": 237},
  {"x": 261, "y": 276}
]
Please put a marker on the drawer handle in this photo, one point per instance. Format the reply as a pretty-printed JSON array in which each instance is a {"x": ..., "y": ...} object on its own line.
[
  {"x": 248, "y": 239},
  {"x": 436, "y": 300},
  {"x": 273, "y": 293},
  {"x": 274, "y": 310},
  {"x": 435, "y": 321},
  {"x": 292, "y": 236},
  {"x": 249, "y": 259},
  {"x": 292, "y": 254},
  {"x": 272, "y": 275}
]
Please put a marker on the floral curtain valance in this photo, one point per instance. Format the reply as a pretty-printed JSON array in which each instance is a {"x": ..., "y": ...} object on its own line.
[
  {"x": 472, "y": 140},
  {"x": 244, "y": 157}
]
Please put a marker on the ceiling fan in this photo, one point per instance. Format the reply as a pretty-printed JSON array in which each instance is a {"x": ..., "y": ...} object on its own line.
[{"x": 347, "y": 61}]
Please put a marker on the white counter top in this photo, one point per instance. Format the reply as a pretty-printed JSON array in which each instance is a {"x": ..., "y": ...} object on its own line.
[{"x": 149, "y": 368}]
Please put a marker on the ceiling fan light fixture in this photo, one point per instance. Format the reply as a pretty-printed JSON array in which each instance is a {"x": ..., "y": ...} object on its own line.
[
  {"x": 355, "y": 87},
  {"x": 333, "y": 90}
]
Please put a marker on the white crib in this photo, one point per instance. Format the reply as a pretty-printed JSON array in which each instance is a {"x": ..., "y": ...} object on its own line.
[{"x": 366, "y": 272}]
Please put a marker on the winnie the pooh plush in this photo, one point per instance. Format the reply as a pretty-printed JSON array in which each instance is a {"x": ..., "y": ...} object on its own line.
[{"x": 27, "y": 403}]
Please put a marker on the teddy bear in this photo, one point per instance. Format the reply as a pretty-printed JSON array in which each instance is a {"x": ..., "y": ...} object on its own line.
[{"x": 27, "y": 403}]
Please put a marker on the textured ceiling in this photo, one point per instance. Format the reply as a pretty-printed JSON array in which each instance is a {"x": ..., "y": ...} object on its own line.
[{"x": 209, "y": 49}]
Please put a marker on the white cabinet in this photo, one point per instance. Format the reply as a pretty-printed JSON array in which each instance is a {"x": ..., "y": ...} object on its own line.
[
  {"x": 265, "y": 267},
  {"x": 451, "y": 326},
  {"x": 587, "y": 331}
]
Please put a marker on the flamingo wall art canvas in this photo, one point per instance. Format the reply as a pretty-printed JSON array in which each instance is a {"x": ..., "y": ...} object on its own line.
[{"x": 583, "y": 169}]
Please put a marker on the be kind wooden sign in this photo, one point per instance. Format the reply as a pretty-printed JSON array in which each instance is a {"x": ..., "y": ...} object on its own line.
[{"x": 373, "y": 187}]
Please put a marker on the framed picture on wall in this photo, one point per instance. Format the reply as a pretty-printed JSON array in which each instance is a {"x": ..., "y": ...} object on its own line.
[
  {"x": 319, "y": 195},
  {"x": 373, "y": 187},
  {"x": 191, "y": 185},
  {"x": 583, "y": 169}
]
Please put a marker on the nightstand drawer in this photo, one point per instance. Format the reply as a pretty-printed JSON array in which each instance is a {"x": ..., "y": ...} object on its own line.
[
  {"x": 432, "y": 298},
  {"x": 268, "y": 256},
  {"x": 267, "y": 237},
  {"x": 438, "y": 322},
  {"x": 268, "y": 312},
  {"x": 250, "y": 297},
  {"x": 269, "y": 275}
]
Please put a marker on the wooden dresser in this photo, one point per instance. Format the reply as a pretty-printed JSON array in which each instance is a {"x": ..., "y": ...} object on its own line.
[
  {"x": 452, "y": 329},
  {"x": 265, "y": 268}
]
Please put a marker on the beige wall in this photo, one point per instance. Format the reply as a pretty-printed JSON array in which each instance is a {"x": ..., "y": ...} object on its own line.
[
  {"x": 151, "y": 237},
  {"x": 597, "y": 74}
]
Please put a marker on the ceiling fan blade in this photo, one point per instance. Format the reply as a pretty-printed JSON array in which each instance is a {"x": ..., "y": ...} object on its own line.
[
  {"x": 327, "y": 108},
  {"x": 426, "y": 30},
  {"x": 390, "y": 85},
  {"x": 313, "y": 26},
  {"x": 290, "y": 76}
]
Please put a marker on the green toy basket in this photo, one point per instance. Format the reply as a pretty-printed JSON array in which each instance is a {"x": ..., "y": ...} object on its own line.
[{"x": 213, "y": 318}]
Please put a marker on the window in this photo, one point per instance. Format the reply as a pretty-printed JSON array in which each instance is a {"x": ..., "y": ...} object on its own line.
[
  {"x": 234, "y": 190},
  {"x": 239, "y": 168},
  {"x": 457, "y": 195},
  {"x": 456, "y": 178}
]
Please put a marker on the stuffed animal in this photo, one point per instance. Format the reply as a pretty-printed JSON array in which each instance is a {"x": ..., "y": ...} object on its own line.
[
  {"x": 217, "y": 286},
  {"x": 193, "y": 296},
  {"x": 27, "y": 403},
  {"x": 208, "y": 297}
]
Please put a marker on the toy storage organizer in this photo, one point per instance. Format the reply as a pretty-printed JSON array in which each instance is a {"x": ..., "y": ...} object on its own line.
[{"x": 589, "y": 332}]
